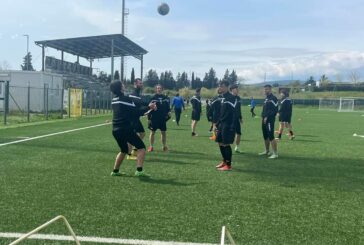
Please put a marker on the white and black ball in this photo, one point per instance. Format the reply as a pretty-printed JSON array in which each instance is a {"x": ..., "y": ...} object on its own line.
[{"x": 163, "y": 9}]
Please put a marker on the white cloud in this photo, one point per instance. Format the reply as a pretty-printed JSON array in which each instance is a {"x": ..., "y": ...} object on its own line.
[{"x": 330, "y": 64}]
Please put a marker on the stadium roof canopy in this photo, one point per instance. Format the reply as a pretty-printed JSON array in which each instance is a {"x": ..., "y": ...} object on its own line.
[{"x": 96, "y": 47}]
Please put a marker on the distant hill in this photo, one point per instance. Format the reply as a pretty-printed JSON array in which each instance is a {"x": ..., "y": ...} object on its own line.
[{"x": 280, "y": 82}]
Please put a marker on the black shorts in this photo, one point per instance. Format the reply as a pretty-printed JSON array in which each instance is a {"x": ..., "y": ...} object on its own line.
[
  {"x": 238, "y": 127},
  {"x": 268, "y": 129},
  {"x": 138, "y": 127},
  {"x": 196, "y": 115},
  {"x": 285, "y": 118},
  {"x": 225, "y": 135},
  {"x": 125, "y": 136},
  {"x": 160, "y": 124}
]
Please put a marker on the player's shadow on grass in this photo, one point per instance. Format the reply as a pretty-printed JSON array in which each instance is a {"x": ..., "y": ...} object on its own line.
[
  {"x": 173, "y": 152},
  {"x": 311, "y": 141},
  {"x": 307, "y": 135},
  {"x": 172, "y": 182},
  {"x": 331, "y": 173},
  {"x": 156, "y": 160},
  {"x": 72, "y": 147}
]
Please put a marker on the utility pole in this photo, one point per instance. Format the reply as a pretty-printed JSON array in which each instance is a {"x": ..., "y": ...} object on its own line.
[
  {"x": 122, "y": 33},
  {"x": 27, "y": 36}
]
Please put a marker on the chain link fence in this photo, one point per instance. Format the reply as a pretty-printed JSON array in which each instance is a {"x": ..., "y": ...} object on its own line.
[{"x": 31, "y": 104}]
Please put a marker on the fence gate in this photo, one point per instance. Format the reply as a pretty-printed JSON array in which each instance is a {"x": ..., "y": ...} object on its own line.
[{"x": 2, "y": 96}]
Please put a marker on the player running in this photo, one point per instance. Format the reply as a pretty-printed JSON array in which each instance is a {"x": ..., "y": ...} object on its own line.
[
  {"x": 158, "y": 118},
  {"x": 238, "y": 116},
  {"x": 123, "y": 131},
  {"x": 178, "y": 105},
  {"x": 285, "y": 115},
  {"x": 226, "y": 126},
  {"x": 270, "y": 109},
  {"x": 196, "y": 110}
]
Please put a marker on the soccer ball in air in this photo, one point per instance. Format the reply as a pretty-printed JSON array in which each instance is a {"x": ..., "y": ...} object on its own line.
[{"x": 163, "y": 9}]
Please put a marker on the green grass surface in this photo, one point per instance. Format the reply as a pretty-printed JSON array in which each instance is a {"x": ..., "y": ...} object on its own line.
[{"x": 312, "y": 194}]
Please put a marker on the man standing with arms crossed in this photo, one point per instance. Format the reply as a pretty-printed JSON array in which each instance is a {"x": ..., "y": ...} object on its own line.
[
  {"x": 196, "y": 110},
  {"x": 270, "y": 109},
  {"x": 158, "y": 118}
]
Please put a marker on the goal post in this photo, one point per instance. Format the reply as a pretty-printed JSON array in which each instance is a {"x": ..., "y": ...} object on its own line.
[
  {"x": 226, "y": 237},
  {"x": 346, "y": 104},
  {"x": 342, "y": 104},
  {"x": 60, "y": 217}
]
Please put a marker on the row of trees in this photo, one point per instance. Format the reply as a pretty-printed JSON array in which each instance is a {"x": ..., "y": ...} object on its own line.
[{"x": 182, "y": 80}]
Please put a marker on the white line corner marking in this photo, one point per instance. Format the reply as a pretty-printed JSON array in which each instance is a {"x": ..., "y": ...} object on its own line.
[
  {"x": 53, "y": 134},
  {"x": 97, "y": 239}
]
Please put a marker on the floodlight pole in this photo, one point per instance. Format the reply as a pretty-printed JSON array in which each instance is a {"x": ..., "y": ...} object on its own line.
[
  {"x": 27, "y": 36},
  {"x": 122, "y": 33}
]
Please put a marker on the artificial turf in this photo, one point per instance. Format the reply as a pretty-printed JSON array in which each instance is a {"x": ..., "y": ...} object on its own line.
[{"x": 312, "y": 194}]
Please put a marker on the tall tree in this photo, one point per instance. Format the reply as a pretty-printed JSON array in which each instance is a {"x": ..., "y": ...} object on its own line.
[
  {"x": 310, "y": 81},
  {"x": 210, "y": 80},
  {"x": 116, "y": 75},
  {"x": 151, "y": 79},
  {"x": 132, "y": 76},
  {"x": 227, "y": 75},
  {"x": 27, "y": 63},
  {"x": 193, "y": 85},
  {"x": 233, "y": 78}
]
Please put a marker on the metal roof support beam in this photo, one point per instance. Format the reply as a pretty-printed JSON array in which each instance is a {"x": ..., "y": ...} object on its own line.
[
  {"x": 112, "y": 60},
  {"x": 90, "y": 67},
  {"x": 62, "y": 59},
  {"x": 141, "y": 67},
  {"x": 43, "y": 54}
]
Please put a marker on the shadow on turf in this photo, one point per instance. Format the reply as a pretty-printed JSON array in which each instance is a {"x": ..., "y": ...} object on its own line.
[
  {"x": 165, "y": 182},
  {"x": 304, "y": 140},
  {"x": 307, "y": 135},
  {"x": 289, "y": 171}
]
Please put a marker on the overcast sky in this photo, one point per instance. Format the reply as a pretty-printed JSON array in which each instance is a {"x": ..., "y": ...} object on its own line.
[{"x": 282, "y": 38}]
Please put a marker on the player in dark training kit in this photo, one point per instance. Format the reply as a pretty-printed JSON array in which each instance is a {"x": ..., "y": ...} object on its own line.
[
  {"x": 139, "y": 101},
  {"x": 285, "y": 115},
  {"x": 270, "y": 109},
  {"x": 158, "y": 118},
  {"x": 238, "y": 116},
  {"x": 196, "y": 110},
  {"x": 124, "y": 111},
  {"x": 214, "y": 112},
  {"x": 226, "y": 126}
]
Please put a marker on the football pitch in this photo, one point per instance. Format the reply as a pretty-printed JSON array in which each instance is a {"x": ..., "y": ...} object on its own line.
[{"x": 312, "y": 194}]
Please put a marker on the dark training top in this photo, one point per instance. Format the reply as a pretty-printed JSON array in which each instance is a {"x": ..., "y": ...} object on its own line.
[
  {"x": 163, "y": 109},
  {"x": 238, "y": 108},
  {"x": 196, "y": 104},
  {"x": 139, "y": 101},
  {"x": 124, "y": 111},
  {"x": 285, "y": 109},
  {"x": 227, "y": 111},
  {"x": 215, "y": 108},
  {"x": 270, "y": 107}
]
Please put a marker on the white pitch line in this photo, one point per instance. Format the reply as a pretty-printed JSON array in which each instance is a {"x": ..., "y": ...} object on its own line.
[
  {"x": 53, "y": 134},
  {"x": 97, "y": 239},
  {"x": 357, "y": 135}
]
